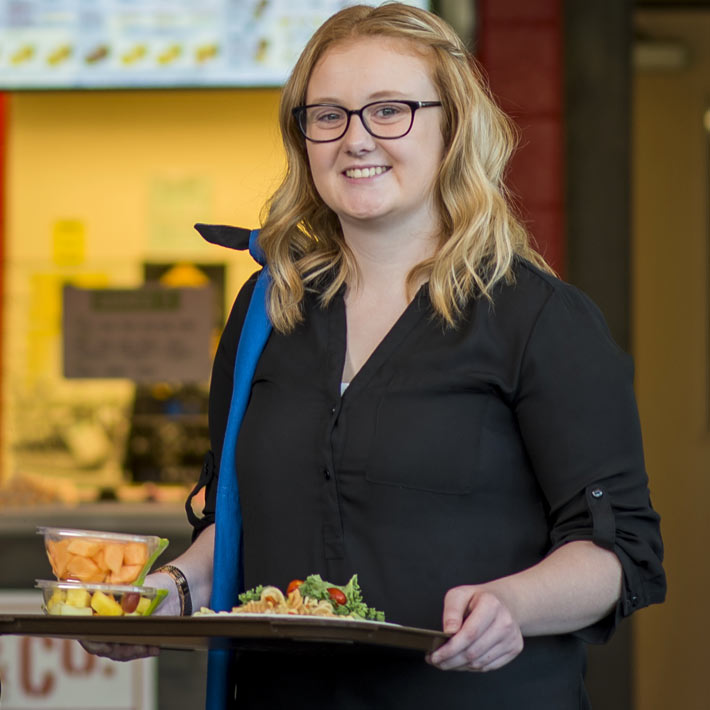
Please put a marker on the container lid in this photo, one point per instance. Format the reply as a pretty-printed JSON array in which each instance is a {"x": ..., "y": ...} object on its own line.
[
  {"x": 118, "y": 537},
  {"x": 108, "y": 588}
]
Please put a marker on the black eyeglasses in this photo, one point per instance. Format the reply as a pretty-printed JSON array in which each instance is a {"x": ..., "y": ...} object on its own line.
[{"x": 323, "y": 123}]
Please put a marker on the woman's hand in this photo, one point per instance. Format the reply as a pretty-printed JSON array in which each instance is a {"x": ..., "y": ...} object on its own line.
[
  {"x": 170, "y": 606},
  {"x": 486, "y": 635},
  {"x": 196, "y": 564},
  {"x": 119, "y": 651},
  {"x": 576, "y": 585}
]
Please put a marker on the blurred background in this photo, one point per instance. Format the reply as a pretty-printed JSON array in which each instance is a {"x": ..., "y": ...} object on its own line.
[{"x": 123, "y": 123}]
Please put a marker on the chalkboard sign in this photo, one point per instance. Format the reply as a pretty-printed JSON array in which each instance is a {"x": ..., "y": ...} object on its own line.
[{"x": 148, "y": 334}]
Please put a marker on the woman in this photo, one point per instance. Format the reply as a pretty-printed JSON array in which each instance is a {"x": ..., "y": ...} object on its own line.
[{"x": 433, "y": 410}]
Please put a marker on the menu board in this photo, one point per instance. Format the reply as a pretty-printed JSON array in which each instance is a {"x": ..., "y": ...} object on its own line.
[
  {"x": 104, "y": 44},
  {"x": 148, "y": 334}
]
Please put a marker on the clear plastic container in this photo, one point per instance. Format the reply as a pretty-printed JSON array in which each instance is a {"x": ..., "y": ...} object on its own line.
[
  {"x": 77, "y": 599},
  {"x": 95, "y": 557}
]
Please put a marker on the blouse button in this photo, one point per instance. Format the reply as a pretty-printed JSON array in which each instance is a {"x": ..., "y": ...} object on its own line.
[
  {"x": 597, "y": 493},
  {"x": 326, "y": 474}
]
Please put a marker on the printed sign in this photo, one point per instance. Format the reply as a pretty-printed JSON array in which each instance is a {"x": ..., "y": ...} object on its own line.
[
  {"x": 149, "y": 334},
  {"x": 57, "y": 674}
]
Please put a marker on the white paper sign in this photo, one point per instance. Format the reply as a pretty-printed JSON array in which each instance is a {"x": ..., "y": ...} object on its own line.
[{"x": 57, "y": 674}]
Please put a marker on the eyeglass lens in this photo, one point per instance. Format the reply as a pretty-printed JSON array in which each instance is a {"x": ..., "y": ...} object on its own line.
[{"x": 384, "y": 119}]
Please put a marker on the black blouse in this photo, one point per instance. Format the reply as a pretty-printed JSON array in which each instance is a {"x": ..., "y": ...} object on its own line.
[{"x": 455, "y": 456}]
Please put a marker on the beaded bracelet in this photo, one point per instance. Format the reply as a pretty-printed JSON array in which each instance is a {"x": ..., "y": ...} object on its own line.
[{"x": 182, "y": 587}]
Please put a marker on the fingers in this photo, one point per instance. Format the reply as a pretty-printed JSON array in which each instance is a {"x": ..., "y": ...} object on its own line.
[
  {"x": 488, "y": 638},
  {"x": 119, "y": 651},
  {"x": 455, "y": 608}
]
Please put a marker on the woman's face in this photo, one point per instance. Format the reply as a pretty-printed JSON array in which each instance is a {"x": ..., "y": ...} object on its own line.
[{"x": 396, "y": 179}]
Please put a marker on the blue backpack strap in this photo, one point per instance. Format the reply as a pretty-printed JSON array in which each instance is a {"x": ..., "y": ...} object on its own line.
[
  {"x": 228, "y": 574},
  {"x": 257, "y": 253}
]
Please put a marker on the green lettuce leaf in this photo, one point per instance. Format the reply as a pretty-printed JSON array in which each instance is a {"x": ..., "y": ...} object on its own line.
[
  {"x": 317, "y": 588},
  {"x": 251, "y": 595}
]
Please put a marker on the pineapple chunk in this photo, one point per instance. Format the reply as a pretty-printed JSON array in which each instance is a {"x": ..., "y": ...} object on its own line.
[
  {"x": 143, "y": 606},
  {"x": 58, "y": 597},
  {"x": 105, "y": 605},
  {"x": 68, "y": 610},
  {"x": 78, "y": 598}
]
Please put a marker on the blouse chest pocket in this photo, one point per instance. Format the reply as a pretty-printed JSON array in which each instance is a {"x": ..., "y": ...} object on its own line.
[{"x": 429, "y": 443}]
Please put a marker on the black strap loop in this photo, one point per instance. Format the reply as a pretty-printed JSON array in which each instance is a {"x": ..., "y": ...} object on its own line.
[
  {"x": 603, "y": 522},
  {"x": 208, "y": 472}
]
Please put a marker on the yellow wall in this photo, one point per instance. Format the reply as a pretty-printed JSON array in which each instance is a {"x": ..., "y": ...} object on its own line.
[
  {"x": 671, "y": 262},
  {"x": 98, "y": 183},
  {"x": 110, "y": 158}
]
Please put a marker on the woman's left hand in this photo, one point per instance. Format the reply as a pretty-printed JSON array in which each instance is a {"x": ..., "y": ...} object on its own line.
[{"x": 486, "y": 635}]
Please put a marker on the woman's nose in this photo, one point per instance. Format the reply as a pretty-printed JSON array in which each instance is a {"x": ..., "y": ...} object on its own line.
[{"x": 357, "y": 138}]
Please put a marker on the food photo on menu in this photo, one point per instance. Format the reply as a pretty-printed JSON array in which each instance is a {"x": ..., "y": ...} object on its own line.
[{"x": 422, "y": 477}]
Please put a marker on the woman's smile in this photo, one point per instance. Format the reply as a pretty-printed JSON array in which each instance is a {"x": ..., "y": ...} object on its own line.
[{"x": 365, "y": 171}]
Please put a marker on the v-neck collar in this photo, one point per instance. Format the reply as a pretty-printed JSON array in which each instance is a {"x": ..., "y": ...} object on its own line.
[{"x": 337, "y": 337}]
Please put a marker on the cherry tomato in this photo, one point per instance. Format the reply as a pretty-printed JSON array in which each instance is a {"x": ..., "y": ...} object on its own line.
[
  {"x": 337, "y": 595},
  {"x": 293, "y": 584}
]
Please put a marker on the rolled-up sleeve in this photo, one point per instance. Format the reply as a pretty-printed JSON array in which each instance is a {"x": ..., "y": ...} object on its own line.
[{"x": 577, "y": 413}]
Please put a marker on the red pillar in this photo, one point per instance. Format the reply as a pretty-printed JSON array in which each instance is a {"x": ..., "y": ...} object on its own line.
[
  {"x": 3, "y": 189},
  {"x": 520, "y": 45}
]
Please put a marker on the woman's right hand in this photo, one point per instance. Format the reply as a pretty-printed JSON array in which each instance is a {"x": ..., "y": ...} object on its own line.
[
  {"x": 119, "y": 651},
  {"x": 170, "y": 606}
]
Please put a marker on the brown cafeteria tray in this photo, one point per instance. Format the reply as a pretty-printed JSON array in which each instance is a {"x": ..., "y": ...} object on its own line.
[{"x": 258, "y": 631}]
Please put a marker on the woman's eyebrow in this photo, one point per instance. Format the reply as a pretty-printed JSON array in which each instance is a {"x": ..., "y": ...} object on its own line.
[
  {"x": 388, "y": 94},
  {"x": 325, "y": 100}
]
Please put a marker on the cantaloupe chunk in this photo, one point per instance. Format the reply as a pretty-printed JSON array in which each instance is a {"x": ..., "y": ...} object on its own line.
[
  {"x": 84, "y": 548},
  {"x": 135, "y": 553},
  {"x": 113, "y": 555},
  {"x": 110, "y": 561},
  {"x": 100, "y": 558},
  {"x": 83, "y": 569},
  {"x": 126, "y": 575},
  {"x": 99, "y": 577},
  {"x": 59, "y": 556}
]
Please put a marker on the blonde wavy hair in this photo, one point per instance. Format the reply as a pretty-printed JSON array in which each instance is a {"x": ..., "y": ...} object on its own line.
[{"x": 479, "y": 233}]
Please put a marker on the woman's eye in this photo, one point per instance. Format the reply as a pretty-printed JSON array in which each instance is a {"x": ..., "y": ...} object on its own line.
[
  {"x": 329, "y": 117},
  {"x": 388, "y": 111}
]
